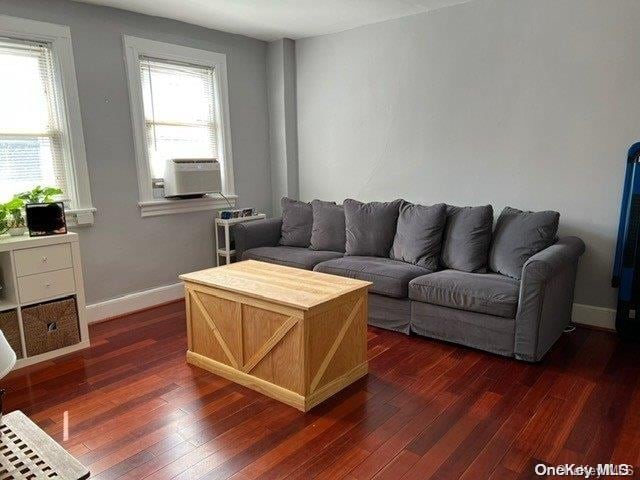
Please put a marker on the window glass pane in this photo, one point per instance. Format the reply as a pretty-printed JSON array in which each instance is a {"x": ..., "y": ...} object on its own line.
[
  {"x": 28, "y": 162},
  {"x": 177, "y": 95},
  {"x": 179, "y": 108},
  {"x": 22, "y": 93},
  {"x": 31, "y": 137}
]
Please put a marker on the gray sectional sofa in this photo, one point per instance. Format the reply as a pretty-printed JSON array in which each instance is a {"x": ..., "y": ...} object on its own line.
[{"x": 439, "y": 271}]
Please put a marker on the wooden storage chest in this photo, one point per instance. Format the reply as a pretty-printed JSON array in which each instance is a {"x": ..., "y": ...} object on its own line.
[{"x": 294, "y": 335}]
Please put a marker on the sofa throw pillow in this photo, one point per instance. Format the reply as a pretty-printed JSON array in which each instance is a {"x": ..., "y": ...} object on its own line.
[
  {"x": 418, "y": 237},
  {"x": 328, "y": 232},
  {"x": 519, "y": 235},
  {"x": 467, "y": 237},
  {"x": 370, "y": 227},
  {"x": 297, "y": 220}
]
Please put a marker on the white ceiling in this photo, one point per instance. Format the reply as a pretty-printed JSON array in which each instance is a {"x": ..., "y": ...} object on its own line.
[{"x": 275, "y": 19}]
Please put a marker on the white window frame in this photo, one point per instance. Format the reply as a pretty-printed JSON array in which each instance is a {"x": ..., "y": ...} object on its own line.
[
  {"x": 59, "y": 37},
  {"x": 136, "y": 47}
]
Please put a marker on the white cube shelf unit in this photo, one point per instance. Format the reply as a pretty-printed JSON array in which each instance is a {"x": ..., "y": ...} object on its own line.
[{"x": 33, "y": 272}]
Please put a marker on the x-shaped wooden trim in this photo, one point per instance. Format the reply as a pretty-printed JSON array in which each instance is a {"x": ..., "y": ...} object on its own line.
[
  {"x": 215, "y": 330},
  {"x": 334, "y": 348},
  {"x": 269, "y": 344}
]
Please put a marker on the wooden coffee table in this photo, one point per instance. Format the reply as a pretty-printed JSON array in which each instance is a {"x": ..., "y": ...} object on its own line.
[{"x": 294, "y": 335}]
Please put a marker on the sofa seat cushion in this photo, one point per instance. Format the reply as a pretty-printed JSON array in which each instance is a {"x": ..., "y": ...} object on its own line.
[
  {"x": 290, "y": 256},
  {"x": 389, "y": 277},
  {"x": 488, "y": 293}
]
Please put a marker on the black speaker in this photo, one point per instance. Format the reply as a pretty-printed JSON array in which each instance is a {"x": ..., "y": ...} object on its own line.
[{"x": 46, "y": 219}]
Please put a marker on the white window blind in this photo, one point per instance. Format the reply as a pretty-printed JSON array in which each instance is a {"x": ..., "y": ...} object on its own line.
[
  {"x": 32, "y": 134},
  {"x": 180, "y": 112}
]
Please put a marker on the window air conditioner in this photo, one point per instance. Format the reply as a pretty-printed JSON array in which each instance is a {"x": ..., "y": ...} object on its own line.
[{"x": 191, "y": 177}]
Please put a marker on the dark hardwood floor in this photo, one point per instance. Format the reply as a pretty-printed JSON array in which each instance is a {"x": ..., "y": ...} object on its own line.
[{"x": 427, "y": 409}]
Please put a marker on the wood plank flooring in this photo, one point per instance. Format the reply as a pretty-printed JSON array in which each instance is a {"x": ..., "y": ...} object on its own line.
[{"x": 134, "y": 409}]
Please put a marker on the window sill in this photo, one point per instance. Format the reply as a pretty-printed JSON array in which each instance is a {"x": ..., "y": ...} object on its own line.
[
  {"x": 79, "y": 217},
  {"x": 164, "y": 206}
]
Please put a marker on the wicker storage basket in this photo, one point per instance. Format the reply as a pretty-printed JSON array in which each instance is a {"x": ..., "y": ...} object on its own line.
[
  {"x": 11, "y": 330},
  {"x": 50, "y": 326}
]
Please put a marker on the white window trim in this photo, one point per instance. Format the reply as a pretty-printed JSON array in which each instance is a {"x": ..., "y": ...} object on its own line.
[
  {"x": 59, "y": 36},
  {"x": 135, "y": 47}
]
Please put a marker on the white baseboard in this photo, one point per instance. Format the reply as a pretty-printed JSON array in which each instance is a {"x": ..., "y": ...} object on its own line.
[
  {"x": 590, "y": 315},
  {"x": 593, "y": 316},
  {"x": 133, "y": 302}
]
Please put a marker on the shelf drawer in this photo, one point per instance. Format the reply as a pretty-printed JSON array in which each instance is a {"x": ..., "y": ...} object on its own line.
[
  {"x": 43, "y": 259},
  {"x": 46, "y": 285}
]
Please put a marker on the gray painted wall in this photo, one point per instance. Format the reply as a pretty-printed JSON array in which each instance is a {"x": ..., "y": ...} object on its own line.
[
  {"x": 281, "y": 75},
  {"x": 122, "y": 252},
  {"x": 528, "y": 103}
]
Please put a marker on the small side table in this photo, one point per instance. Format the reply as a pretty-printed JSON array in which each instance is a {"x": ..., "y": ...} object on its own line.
[
  {"x": 226, "y": 252},
  {"x": 26, "y": 452}
]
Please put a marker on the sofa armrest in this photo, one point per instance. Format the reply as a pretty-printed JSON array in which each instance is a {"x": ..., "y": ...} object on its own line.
[
  {"x": 546, "y": 298},
  {"x": 260, "y": 233}
]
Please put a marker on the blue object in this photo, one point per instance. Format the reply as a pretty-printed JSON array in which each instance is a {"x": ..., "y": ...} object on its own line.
[{"x": 626, "y": 268}]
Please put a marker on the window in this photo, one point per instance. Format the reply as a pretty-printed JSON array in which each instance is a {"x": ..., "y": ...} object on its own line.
[
  {"x": 41, "y": 141},
  {"x": 179, "y": 110},
  {"x": 32, "y": 137}
]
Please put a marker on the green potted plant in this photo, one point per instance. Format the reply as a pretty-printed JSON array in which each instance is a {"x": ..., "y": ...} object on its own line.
[
  {"x": 4, "y": 219},
  {"x": 39, "y": 195},
  {"x": 14, "y": 217}
]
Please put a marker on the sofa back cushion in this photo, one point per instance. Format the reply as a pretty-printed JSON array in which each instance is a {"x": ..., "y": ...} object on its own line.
[
  {"x": 370, "y": 227},
  {"x": 297, "y": 220},
  {"x": 519, "y": 235},
  {"x": 328, "y": 232},
  {"x": 418, "y": 238},
  {"x": 467, "y": 237}
]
